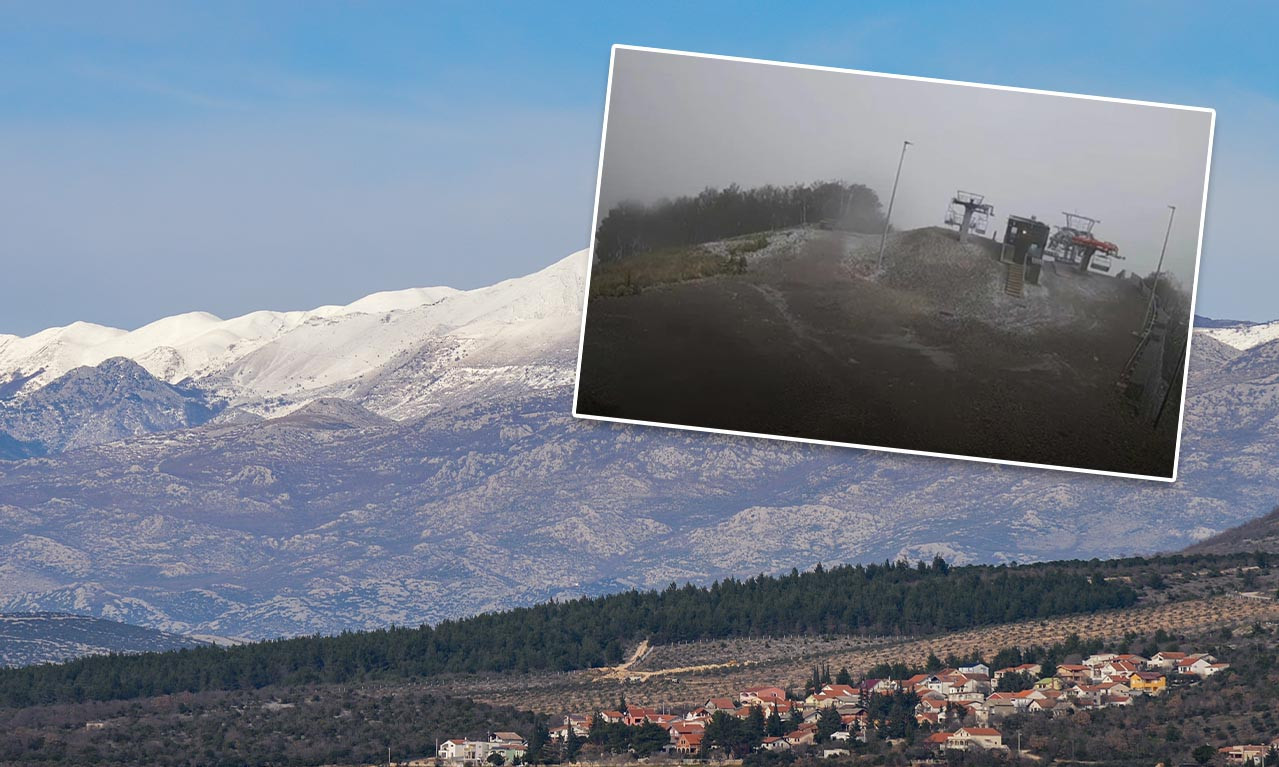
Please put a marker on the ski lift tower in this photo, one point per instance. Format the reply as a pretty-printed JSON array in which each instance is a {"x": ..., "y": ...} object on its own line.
[{"x": 970, "y": 212}]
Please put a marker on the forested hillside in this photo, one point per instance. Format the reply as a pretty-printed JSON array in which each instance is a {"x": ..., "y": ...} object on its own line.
[{"x": 582, "y": 633}]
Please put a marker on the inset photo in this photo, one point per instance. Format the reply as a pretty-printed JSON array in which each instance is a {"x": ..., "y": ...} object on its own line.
[{"x": 892, "y": 262}]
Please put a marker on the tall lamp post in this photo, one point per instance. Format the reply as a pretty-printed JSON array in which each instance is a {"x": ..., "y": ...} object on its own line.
[
  {"x": 1150, "y": 306},
  {"x": 883, "y": 240}
]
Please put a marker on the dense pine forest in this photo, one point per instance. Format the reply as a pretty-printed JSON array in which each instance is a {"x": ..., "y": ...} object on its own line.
[
  {"x": 715, "y": 214},
  {"x": 897, "y": 599}
]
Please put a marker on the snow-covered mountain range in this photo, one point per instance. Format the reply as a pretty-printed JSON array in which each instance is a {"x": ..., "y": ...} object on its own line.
[
  {"x": 401, "y": 354},
  {"x": 411, "y": 457},
  {"x": 1243, "y": 335}
]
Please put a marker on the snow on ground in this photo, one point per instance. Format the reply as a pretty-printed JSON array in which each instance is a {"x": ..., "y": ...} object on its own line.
[
  {"x": 1245, "y": 336},
  {"x": 779, "y": 243},
  {"x": 967, "y": 281}
]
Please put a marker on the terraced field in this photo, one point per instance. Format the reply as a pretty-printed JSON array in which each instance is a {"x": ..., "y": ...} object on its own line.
[{"x": 690, "y": 673}]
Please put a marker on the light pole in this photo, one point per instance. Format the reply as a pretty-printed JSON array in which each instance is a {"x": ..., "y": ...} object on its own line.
[
  {"x": 1150, "y": 306},
  {"x": 891, "y": 198}
]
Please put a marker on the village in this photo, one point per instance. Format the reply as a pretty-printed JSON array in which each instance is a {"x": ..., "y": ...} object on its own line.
[{"x": 952, "y": 709}]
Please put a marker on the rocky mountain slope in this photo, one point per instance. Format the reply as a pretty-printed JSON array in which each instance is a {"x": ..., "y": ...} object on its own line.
[
  {"x": 30, "y": 638},
  {"x": 1261, "y": 534},
  {"x": 418, "y": 462},
  {"x": 91, "y": 405}
]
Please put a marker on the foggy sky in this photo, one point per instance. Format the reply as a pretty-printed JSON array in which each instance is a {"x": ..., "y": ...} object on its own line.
[{"x": 678, "y": 124}]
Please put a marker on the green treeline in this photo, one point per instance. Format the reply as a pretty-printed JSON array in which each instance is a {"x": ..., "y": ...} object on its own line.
[
  {"x": 631, "y": 228},
  {"x": 587, "y": 632}
]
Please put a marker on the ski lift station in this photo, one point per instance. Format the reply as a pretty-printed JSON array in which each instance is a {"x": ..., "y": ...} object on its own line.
[
  {"x": 1075, "y": 244},
  {"x": 1029, "y": 244}
]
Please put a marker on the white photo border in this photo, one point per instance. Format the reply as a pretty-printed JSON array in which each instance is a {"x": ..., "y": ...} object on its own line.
[{"x": 1185, "y": 371}]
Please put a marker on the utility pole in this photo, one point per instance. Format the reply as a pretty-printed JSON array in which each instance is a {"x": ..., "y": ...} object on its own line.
[
  {"x": 891, "y": 198},
  {"x": 1150, "y": 306}
]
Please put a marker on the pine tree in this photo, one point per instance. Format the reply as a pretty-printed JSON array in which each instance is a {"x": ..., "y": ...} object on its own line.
[
  {"x": 796, "y": 719},
  {"x": 537, "y": 743},
  {"x": 828, "y": 723},
  {"x": 774, "y": 726},
  {"x": 572, "y": 745},
  {"x": 649, "y": 738},
  {"x": 755, "y": 721}
]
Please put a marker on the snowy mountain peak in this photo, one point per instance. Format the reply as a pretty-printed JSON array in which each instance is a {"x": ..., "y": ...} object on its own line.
[
  {"x": 1245, "y": 335},
  {"x": 293, "y": 357}
]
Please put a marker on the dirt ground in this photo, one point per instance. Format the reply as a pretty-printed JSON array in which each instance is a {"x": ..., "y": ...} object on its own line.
[{"x": 928, "y": 354}]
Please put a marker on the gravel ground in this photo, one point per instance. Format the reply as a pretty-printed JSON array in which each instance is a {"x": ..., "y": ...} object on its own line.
[
  {"x": 967, "y": 281},
  {"x": 813, "y": 341}
]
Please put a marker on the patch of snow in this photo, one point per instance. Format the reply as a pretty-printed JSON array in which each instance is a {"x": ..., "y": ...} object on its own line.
[
  {"x": 1245, "y": 336},
  {"x": 296, "y": 355}
]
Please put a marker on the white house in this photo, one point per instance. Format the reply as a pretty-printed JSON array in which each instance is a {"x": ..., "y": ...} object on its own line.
[
  {"x": 966, "y": 738},
  {"x": 461, "y": 751}
]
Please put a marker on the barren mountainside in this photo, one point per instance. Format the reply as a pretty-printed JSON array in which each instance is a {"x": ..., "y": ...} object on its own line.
[
  {"x": 30, "y": 638},
  {"x": 427, "y": 466},
  {"x": 1260, "y": 534}
]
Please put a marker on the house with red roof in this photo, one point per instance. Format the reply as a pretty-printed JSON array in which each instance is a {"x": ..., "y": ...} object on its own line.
[
  {"x": 689, "y": 742},
  {"x": 637, "y": 715},
  {"x": 1030, "y": 669},
  {"x": 758, "y": 696},
  {"x": 1074, "y": 673},
  {"x": 972, "y": 738},
  {"x": 1114, "y": 669},
  {"x": 1243, "y": 754},
  {"x": 1200, "y": 665},
  {"x": 802, "y": 737},
  {"x": 1166, "y": 660}
]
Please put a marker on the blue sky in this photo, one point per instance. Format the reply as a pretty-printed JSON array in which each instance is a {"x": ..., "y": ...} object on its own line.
[{"x": 160, "y": 158}]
